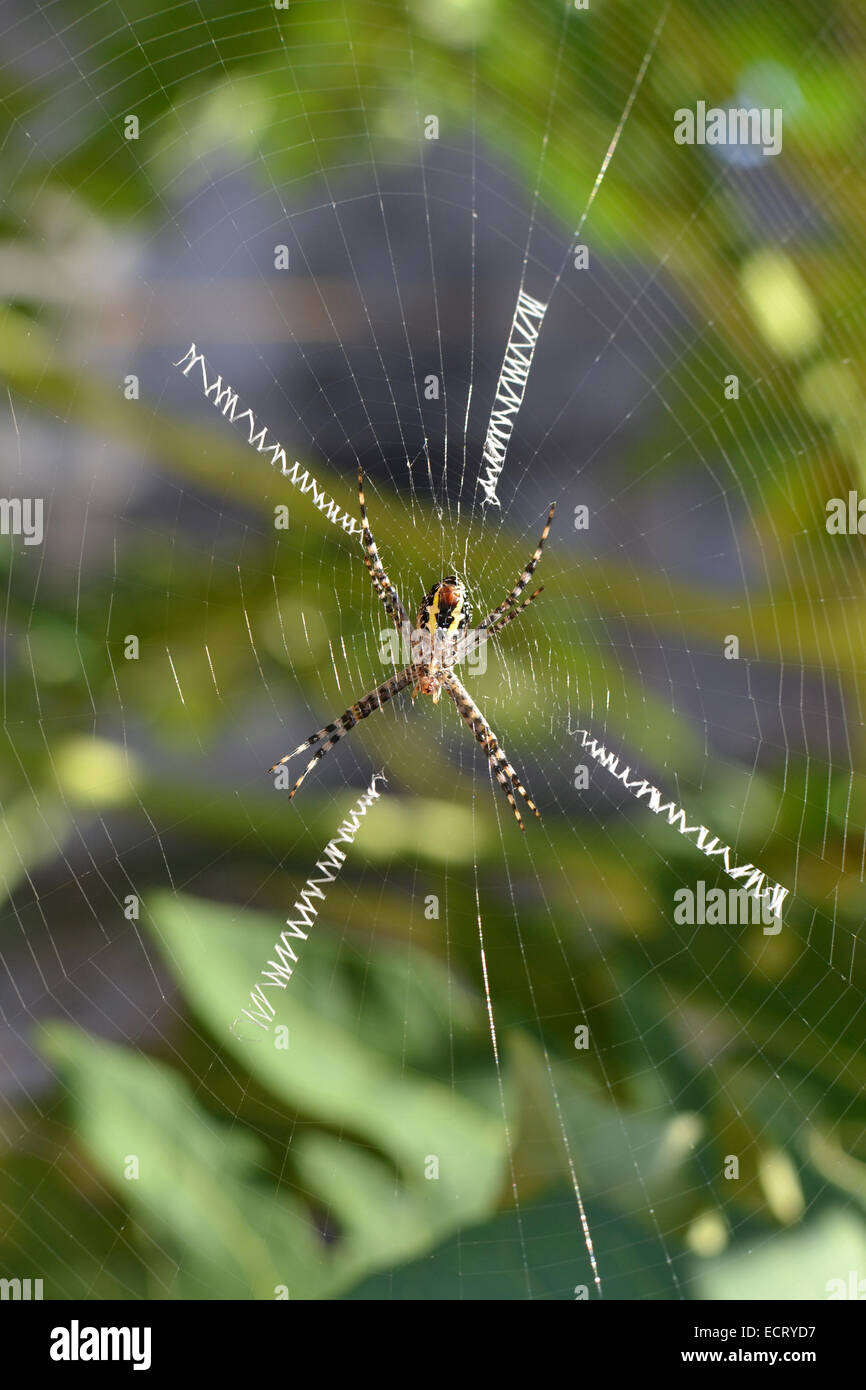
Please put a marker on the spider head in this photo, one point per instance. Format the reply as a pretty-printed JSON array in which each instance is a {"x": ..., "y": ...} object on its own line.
[
  {"x": 429, "y": 684},
  {"x": 446, "y": 608}
]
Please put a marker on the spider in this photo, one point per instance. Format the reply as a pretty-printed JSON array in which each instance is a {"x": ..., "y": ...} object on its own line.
[{"x": 439, "y": 640}]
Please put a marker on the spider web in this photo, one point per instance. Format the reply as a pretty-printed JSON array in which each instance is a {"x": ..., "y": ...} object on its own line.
[{"x": 507, "y": 1071}]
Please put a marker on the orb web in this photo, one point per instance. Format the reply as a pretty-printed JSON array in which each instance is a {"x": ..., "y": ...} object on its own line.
[{"x": 504, "y": 1066}]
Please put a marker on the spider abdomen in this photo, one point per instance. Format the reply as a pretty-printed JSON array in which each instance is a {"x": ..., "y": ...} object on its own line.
[{"x": 446, "y": 607}]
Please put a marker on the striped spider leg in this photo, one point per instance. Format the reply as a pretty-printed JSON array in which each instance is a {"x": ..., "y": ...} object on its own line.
[
  {"x": 441, "y": 637},
  {"x": 491, "y": 626},
  {"x": 394, "y": 685},
  {"x": 381, "y": 583},
  {"x": 332, "y": 733},
  {"x": 502, "y": 769},
  {"x": 524, "y": 577}
]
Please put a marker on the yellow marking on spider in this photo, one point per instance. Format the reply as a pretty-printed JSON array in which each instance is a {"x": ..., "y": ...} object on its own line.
[{"x": 457, "y": 612}]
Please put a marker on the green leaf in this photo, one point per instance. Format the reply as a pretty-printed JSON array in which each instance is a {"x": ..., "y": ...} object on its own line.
[
  {"x": 333, "y": 1075},
  {"x": 537, "y": 1253},
  {"x": 797, "y": 1264},
  {"x": 197, "y": 1187}
]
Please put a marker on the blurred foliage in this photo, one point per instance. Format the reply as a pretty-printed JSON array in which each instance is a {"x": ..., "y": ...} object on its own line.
[{"x": 305, "y": 1168}]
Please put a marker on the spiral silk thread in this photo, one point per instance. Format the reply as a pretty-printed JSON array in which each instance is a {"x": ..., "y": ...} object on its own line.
[
  {"x": 221, "y": 395},
  {"x": 516, "y": 365},
  {"x": 757, "y": 883},
  {"x": 279, "y": 971}
]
